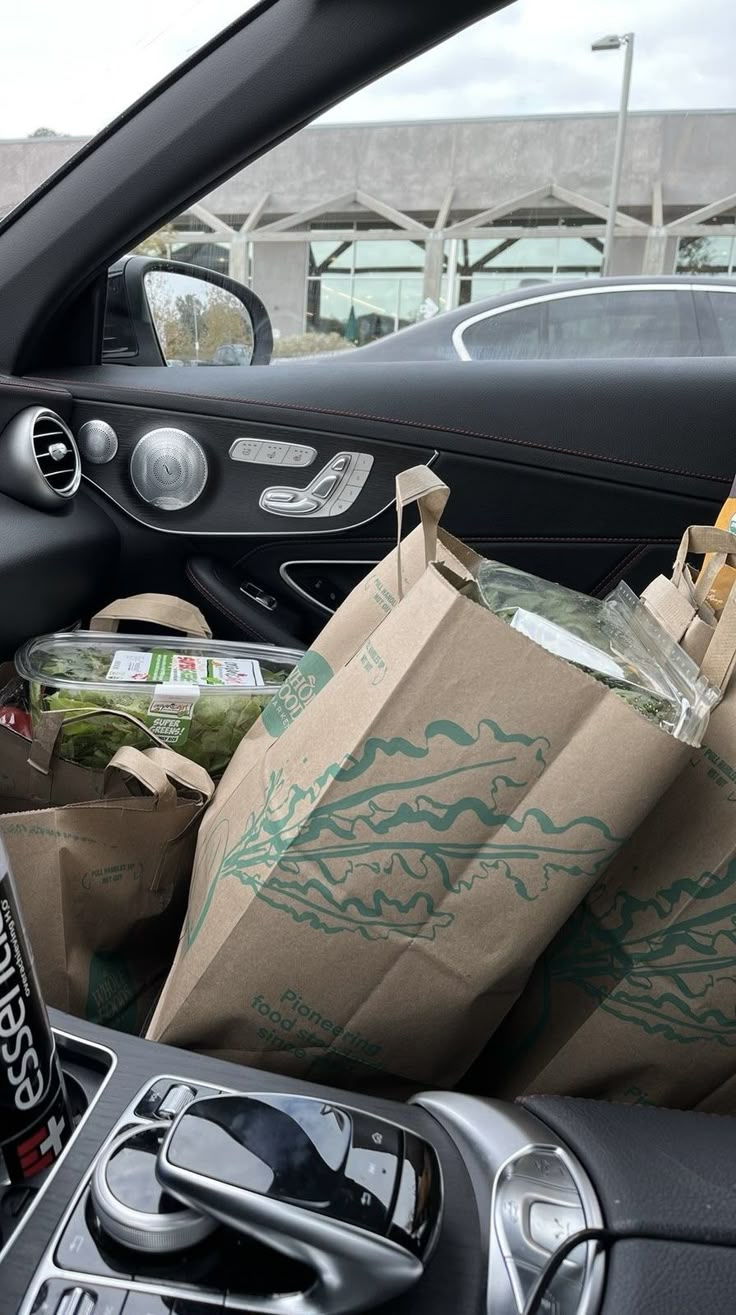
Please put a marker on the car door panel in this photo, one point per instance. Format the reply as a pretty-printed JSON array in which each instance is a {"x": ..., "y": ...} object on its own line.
[
  {"x": 229, "y": 505},
  {"x": 639, "y": 416},
  {"x": 578, "y": 470}
]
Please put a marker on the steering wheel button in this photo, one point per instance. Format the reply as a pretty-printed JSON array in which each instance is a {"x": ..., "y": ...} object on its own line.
[
  {"x": 551, "y": 1224},
  {"x": 544, "y": 1166}
]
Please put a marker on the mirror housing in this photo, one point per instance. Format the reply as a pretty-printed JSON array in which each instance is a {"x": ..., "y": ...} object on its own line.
[{"x": 135, "y": 335}]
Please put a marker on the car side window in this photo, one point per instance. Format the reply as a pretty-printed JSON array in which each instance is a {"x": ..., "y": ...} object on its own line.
[
  {"x": 647, "y": 322},
  {"x": 513, "y": 335},
  {"x": 723, "y": 305}
]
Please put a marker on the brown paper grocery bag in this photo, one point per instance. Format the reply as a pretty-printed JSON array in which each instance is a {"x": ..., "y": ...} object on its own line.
[
  {"x": 636, "y": 998},
  {"x": 33, "y": 774},
  {"x": 680, "y": 602},
  {"x": 103, "y": 884},
  {"x": 361, "y": 613},
  {"x": 377, "y": 877}
]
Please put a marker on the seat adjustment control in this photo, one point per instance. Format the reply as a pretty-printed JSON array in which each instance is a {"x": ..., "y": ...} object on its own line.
[{"x": 331, "y": 493}]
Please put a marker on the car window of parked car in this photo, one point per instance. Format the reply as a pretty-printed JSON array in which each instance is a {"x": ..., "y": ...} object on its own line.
[
  {"x": 516, "y": 335},
  {"x": 639, "y": 323},
  {"x": 655, "y": 322},
  {"x": 723, "y": 305}
]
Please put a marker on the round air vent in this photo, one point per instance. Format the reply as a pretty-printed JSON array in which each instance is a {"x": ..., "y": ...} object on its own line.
[
  {"x": 39, "y": 461},
  {"x": 97, "y": 442},
  {"x": 168, "y": 469}
]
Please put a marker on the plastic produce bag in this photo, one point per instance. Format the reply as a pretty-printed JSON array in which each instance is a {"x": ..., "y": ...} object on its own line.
[{"x": 615, "y": 640}]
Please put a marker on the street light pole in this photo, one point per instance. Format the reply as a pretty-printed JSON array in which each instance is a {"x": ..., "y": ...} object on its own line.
[{"x": 615, "y": 43}]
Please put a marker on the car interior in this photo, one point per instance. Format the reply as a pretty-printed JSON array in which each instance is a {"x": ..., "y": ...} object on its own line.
[{"x": 585, "y": 471}]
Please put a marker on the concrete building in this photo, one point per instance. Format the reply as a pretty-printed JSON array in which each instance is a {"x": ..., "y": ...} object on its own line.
[{"x": 350, "y": 228}]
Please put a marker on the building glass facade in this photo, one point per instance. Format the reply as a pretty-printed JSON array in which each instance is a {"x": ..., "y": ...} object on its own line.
[
  {"x": 364, "y": 289},
  {"x": 706, "y": 255}
]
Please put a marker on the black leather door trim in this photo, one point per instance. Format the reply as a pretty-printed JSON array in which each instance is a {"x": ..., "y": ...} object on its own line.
[{"x": 640, "y": 418}]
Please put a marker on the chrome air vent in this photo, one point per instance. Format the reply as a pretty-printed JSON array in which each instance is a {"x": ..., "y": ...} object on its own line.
[
  {"x": 39, "y": 460},
  {"x": 56, "y": 453}
]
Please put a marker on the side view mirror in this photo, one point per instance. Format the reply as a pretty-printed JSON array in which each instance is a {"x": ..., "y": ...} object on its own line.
[{"x": 162, "y": 312}]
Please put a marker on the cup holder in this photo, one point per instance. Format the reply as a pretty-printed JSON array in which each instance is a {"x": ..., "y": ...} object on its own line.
[{"x": 86, "y": 1068}]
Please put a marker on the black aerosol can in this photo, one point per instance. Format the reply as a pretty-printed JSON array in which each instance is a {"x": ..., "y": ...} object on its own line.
[{"x": 35, "y": 1120}]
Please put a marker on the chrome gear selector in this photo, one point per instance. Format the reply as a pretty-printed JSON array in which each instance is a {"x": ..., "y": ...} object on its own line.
[{"x": 356, "y": 1198}]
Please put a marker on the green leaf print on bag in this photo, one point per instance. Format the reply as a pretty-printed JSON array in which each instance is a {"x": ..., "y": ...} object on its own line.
[
  {"x": 676, "y": 980},
  {"x": 111, "y": 992},
  {"x": 384, "y": 842}
]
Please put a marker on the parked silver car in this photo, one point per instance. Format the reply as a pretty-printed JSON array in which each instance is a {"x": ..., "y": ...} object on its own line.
[{"x": 593, "y": 318}]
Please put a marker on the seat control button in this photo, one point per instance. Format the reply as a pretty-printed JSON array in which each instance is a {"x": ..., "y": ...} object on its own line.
[
  {"x": 324, "y": 486},
  {"x": 340, "y": 505},
  {"x": 340, "y": 464},
  {"x": 288, "y": 502},
  {"x": 303, "y": 506}
]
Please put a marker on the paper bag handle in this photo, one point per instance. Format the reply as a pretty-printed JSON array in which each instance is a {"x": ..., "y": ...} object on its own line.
[
  {"x": 704, "y": 540},
  {"x": 155, "y": 609},
  {"x": 150, "y": 774},
  {"x": 720, "y": 655},
  {"x": 420, "y": 485},
  {"x": 48, "y": 729},
  {"x": 182, "y": 771}
]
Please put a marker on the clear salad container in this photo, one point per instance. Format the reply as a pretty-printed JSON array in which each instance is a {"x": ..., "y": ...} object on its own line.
[{"x": 197, "y": 696}]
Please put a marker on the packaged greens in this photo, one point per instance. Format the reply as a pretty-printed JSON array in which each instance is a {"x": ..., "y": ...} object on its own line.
[
  {"x": 198, "y": 696},
  {"x": 616, "y": 640}
]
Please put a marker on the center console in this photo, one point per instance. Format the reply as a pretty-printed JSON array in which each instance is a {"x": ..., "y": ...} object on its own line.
[{"x": 193, "y": 1186}]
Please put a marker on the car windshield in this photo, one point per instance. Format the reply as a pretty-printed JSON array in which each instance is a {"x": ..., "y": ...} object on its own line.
[
  {"x": 69, "y": 67},
  {"x": 544, "y": 148}
]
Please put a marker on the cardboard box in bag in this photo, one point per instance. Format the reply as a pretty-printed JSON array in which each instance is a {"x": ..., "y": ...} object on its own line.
[
  {"x": 636, "y": 998},
  {"x": 377, "y": 876}
]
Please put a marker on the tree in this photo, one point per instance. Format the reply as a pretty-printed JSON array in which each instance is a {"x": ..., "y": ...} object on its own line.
[
  {"x": 695, "y": 255},
  {"x": 158, "y": 243},
  {"x": 224, "y": 321},
  {"x": 45, "y": 132}
]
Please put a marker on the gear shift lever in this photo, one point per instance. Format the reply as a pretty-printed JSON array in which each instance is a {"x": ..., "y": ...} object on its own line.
[{"x": 355, "y": 1197}]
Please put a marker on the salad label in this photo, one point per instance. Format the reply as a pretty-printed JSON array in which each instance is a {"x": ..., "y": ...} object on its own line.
[
  {"x": 127, "y": 665},
  {"x": 174, "y": 731},
  {"x": 165, "y": 668},
  {"x": 173, "y": 701}
]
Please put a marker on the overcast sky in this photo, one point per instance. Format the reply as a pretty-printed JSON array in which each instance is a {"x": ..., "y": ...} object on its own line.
[{"x": 72, "y": 65}]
